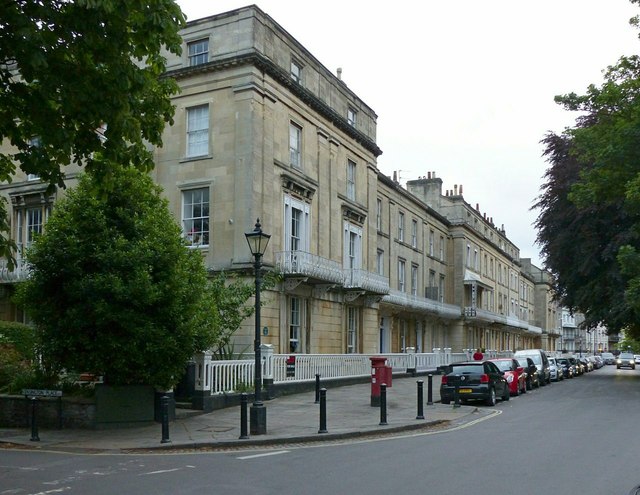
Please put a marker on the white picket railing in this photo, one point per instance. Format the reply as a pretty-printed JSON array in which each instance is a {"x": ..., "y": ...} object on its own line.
[{"x": 234, "y": 375}]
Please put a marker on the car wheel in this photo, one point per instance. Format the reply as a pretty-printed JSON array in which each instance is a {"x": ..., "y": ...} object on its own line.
[
  {"x": 506, "y": 395},
  {"x": 618, "y": 367},
  {"x": 524, "y": 387},
  {"x": 517, "y": 390},
  {"x": 491, "y": 400},
  {"x": 529, "y": 384}
]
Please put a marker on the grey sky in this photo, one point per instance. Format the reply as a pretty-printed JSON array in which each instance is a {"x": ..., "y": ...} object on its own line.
[{"x": 464, "y": 89}]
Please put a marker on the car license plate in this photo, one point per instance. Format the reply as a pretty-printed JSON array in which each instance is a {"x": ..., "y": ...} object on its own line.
[{"x": 464, "y": 391}]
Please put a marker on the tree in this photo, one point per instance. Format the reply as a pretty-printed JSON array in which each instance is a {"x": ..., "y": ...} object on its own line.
[
  {"x": 113, "y": 288},
  {"x": 80, "y": 82},
  {"x": 589, "y": 225}
]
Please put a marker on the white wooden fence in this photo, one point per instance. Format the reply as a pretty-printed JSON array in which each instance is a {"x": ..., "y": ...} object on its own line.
[{"x": 218, "y": 377}]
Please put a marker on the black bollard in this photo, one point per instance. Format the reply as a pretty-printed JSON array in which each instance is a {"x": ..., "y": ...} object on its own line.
[
  {"x": 34, "y": 420},
  {"x": 323, "y": 410},
  {"x": 244, "y": 400},
  {"x": 456, "y": 392},
  {"x": 317, "y": 388},
  {"x": 164, "y": 401},
  {"x": 420, "y": 414},
  {"x": 430, "y": 390},
  {"x": 383, "y": 404}
]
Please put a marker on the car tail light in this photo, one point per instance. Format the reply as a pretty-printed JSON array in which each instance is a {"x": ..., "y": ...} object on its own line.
[
  {"x": 484, "y": 379},
  {"x": 444, "y": 379}
]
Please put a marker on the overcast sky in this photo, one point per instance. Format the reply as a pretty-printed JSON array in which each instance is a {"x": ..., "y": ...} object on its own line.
[{"x": 462, "y": 88}]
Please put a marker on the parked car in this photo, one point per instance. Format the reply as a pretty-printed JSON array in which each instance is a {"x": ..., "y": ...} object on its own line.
[
  {"x": 532, "y": 378},
  {"x": 588, "y": 365},
  {"x": 568, "y": 368},
  {"x": 608, "y": 357},
  {"x": 539, "y": 358},
  {"x": 625, "y": 360},
  {"x": 637, "y": 358},
  {"x": 579, "y": 367},
  {"x": 514, "y": 373},
  {"x": 556, "y": 370},
  {"x": 478, "y": 381},
  {"x": 599, "y": 362}
]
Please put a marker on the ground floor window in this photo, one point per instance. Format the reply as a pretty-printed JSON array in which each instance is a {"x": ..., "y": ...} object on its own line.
[{"x": 352, "y": 330}]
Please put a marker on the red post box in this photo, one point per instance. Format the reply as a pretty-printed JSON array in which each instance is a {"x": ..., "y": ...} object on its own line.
[{"x": 380, "y": 373}]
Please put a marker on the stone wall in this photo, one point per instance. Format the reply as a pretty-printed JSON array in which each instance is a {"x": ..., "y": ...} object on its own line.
[{"x": 65, "y": 412}]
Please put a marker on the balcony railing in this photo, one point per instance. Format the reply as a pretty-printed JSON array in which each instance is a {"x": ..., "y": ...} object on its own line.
[
  {"x": 368, "y": 281},
  {"x": 20, "y": 271},
  {"x": 399, "y": 298},
  {"x": 309, "y": 265},
  {"x": 491, "y": 317}
]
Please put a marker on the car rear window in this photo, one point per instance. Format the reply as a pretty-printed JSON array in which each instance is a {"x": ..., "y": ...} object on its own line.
[{"x": 474, "y": 368}]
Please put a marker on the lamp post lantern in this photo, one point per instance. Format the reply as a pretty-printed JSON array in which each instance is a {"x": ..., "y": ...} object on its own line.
[{"x": 257, "y": 241}]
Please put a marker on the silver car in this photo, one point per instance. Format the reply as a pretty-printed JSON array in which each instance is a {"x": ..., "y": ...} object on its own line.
[{"x": 555, "y": 370}]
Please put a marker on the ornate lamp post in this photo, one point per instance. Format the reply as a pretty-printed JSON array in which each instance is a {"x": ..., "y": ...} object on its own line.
[{"x": 257, "y": 241}]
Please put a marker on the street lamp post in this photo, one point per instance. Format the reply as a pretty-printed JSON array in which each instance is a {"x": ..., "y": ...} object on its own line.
[{"x": 257, "y": 241}]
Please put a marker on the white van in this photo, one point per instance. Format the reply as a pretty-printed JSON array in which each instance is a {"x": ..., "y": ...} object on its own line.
[{"x": 539, "y": 357}]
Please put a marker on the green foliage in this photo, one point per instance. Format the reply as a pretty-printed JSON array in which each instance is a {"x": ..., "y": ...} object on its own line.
[
  {"x": 113, "y": 289},
  {"x": 89, "y": 86},
  {"x": 20, "y": 337},
  {"x": 589, "y": 225}
]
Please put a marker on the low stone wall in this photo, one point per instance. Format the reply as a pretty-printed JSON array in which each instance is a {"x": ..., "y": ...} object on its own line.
[
  {"x": 65, "y": 412},
  {"x": 113, "y": 407}
]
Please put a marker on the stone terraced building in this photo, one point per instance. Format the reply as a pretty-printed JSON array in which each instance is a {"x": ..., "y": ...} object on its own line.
[{"x": 263, "y": 130}]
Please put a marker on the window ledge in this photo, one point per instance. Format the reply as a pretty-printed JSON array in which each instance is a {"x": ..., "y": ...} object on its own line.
[{"x": 195, "y": 158}]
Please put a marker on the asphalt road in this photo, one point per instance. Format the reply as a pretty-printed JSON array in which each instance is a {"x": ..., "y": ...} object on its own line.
[{"x": 579, "y": 436}]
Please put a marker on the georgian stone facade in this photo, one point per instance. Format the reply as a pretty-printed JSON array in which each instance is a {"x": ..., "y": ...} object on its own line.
[{"x": 263, "y": 130}]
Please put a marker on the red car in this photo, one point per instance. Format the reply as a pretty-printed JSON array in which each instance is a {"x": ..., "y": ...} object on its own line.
[{"x": 514, "y": 373}]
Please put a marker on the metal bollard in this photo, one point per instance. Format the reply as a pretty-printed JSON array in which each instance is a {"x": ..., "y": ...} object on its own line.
[
  {"x": 456, "y": 392},
  {"x": 164, "y": 401},
  {"x": 317, "y": 388},
  {"x": 34, "y": 420},
  {"x": 383, "y": 404},
  {"x": 420, "y": 414},
  {"x": 323, "y": 411},
  {"x": 430, "y": 390},
  {"x": 244, "y": 400}
]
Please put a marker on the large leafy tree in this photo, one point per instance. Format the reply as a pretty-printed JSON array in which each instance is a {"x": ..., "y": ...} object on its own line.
[
  {"x": 113, "y": 288},
  {"x": 589, "y": 225},
  {"x": 80, "y": 82}
]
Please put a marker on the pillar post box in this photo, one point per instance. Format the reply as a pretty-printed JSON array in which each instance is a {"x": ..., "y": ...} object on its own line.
[{"x": 380, "y": 373}]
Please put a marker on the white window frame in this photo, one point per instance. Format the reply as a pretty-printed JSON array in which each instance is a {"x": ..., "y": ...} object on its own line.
[
  {"x": 295, "y": 324},
  {"x": 401, "y": 226},
  {"x": 414, "y": 279},
  {"x": 352, "y": 116},
  {"x": 352, "y": 330},
  {"x": 414, "y": 233},
  {"x": 441, "y": 248},
  {"x": 296, "y": 70},
  {"x": 197, "y": 131},
  {"x": 295, "y": 145},
  {"x": 380, "y": 262},
  {"x": 352, "y": 258},
  {"x": 200, "y": 53},
  {"x": 441, "y": 287},
  {"x": 296, "y": 211},
  {"x": 379, "y": 215},
  {"x": 402, "y": 266},
  {"x": 351, "y": 180},
  {"x": 196, "y": 216},
  {"x": 432, "y": 240}
]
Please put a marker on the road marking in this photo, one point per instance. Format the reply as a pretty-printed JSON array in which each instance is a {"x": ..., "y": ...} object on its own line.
[
  {"x": 53, "y": 491},
  {"x": 160, "y": 472},
  {"x": 262, "y": 455}
]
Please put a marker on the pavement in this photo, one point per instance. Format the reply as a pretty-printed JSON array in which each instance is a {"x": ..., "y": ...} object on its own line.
[{"x": 291, "y": 419}]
